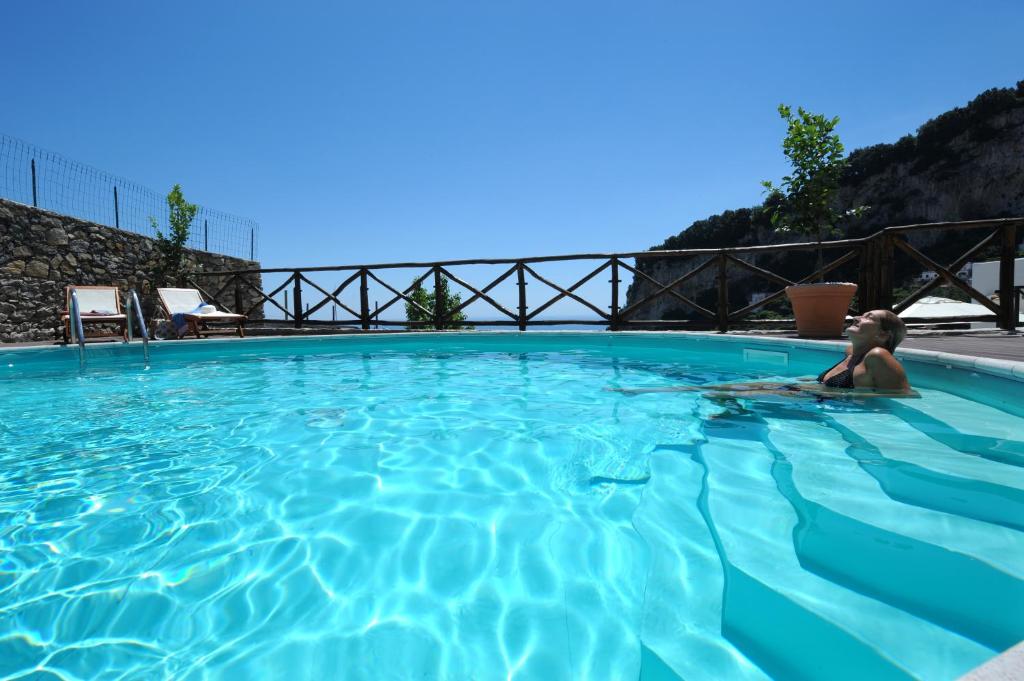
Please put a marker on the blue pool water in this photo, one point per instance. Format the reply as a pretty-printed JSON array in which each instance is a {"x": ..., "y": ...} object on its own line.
[{"x": 491, "y": 508}]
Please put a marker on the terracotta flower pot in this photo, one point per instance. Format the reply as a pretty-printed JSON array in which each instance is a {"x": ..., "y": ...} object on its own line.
[{"x": 820, "y": 309}]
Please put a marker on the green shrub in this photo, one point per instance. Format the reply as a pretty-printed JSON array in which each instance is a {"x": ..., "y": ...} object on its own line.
[
  {"x": 171, "y": 267},
  {"x": 425, "y": 299}
]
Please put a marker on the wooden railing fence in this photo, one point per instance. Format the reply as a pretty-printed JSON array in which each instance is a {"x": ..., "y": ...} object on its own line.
[{"x": 874, "y": 256}]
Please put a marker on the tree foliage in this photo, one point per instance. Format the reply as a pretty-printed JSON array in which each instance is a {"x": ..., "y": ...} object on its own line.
[
  {"x": 806, "y": 197},
  {"x": 725, "y": 230},
  {"x": 931, "y": 144},
  {"x": 171, "y": 266},
  {"x": 805, "y": 201},
  {"x": 425, "y": 299}
]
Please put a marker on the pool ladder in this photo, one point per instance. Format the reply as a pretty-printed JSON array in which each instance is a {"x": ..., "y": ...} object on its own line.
[
  {"x": 75, "y": 322},
  {"x": 135, "y": 314}
]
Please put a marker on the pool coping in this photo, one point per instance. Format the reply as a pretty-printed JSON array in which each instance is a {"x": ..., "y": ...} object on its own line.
[
  {"x": 1007, "y": 666},
  {"x": 996, "y": 367}
]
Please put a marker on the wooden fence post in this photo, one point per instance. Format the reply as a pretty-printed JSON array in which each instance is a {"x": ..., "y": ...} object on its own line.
[
  {"x": 297, "y": 299},
  {"x": 1007, "y": 260},
  {"x": 238, "y": 296},
  {"x": 364, "y": 300},
  {"x": 866, "y": 278},
  {"x": 884, "y": 257},
  {"x": 521, "y": 274},
  {"x": 438, "y": 299},
  {"x": 723, "y": 295},
  {"x": 615, "y": 295}
]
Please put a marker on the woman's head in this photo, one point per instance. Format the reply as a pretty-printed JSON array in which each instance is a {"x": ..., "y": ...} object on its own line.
[{"x": 878, "y": 328}]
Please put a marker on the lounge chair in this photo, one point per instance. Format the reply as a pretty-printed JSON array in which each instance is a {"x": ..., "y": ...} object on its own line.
[
  {"x": 96, "y": 305},
  {"x": 188, "y": 302}
]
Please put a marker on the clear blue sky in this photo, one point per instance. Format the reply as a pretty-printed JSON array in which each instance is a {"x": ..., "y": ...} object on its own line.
[{"x": 388, "y": 131}]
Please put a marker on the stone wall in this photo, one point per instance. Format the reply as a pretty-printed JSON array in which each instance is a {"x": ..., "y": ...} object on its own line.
[{"x": 42, "y": 252}]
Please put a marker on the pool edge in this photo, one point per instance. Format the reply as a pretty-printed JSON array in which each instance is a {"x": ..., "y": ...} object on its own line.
[{"x": 994, "y": 367}]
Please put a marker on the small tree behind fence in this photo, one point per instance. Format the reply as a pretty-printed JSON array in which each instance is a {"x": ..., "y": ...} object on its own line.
[{"x": 41, "y": 178}]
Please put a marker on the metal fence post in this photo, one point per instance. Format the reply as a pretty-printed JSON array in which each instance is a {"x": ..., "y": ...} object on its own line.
[
  {"x": 252, "y": 243},
  {"x": 206, "y": 235},
  {"x": 117, "y": 210},
  {"x": 297, "y": 299},
  {"x": 1007, "y": 295},
  {"x": 35, "y": 202}
]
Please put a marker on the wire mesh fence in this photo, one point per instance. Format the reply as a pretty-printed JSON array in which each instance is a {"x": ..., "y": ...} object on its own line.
[{"x": 41, "y": 178}]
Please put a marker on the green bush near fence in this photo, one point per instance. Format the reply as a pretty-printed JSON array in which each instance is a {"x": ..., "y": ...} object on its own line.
[
  {"x": 171, "y": 267},
  {"x": 425, "y": 300}
]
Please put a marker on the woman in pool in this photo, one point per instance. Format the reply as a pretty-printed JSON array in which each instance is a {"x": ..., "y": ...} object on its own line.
[
  {"x": 869, "y": 367},
  {"x": 869, "y": 361}
]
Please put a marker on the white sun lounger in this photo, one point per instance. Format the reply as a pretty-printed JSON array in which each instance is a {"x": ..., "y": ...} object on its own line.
[
  {"x": 96, "y": 305},
  {"x": 187, "y": 301}
]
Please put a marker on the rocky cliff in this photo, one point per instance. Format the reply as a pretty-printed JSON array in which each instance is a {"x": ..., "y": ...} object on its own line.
[{"x": 965, "y": 164}]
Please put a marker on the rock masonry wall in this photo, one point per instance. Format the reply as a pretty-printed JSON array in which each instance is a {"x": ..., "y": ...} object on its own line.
[{"x": 42, "y": 252}]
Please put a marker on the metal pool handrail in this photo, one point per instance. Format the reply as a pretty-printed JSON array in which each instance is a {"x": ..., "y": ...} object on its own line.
[
  {"x": 134, "y": 306},
  {"x": 77, "y": 332}
]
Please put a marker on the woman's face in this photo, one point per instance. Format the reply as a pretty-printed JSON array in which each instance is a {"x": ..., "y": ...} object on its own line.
[{"x": 867, "y": 328}]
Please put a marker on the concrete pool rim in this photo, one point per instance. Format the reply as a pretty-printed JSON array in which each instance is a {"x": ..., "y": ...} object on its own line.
[{"x": 994, "y": 367}]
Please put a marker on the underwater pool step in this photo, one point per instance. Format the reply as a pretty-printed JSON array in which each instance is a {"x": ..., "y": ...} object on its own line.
[
  {"x": 905, "y": 442},
  {"x": 765, "y": 624},
  {"x": 772, "y": 600},
  {"x": 653, "y": 668},
  {"x": 848, "y": 473},
  {"x": 966, "y": 426},
  {"x": 852, "y": 533},
  {"x": 682, "y": 610}
]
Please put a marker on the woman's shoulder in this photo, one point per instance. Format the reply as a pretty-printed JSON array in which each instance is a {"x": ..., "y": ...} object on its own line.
[
  {"x": 885, "y": 369},
  {"x": 881, "y": 357},
  {"x": 879, "y": 353}
]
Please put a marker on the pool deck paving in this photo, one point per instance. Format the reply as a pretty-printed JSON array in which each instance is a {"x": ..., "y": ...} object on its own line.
[
  {"x": 991, "y": 344},
  {"x": 1006, "y": 667},
  {"x": 995, "y": 347}
]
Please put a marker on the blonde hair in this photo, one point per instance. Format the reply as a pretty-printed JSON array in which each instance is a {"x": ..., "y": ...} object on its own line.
[{"x": 890, "y": 322}]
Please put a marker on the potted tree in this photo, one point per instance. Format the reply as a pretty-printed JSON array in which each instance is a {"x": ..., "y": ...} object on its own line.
[{"x": 804, "y": 203}]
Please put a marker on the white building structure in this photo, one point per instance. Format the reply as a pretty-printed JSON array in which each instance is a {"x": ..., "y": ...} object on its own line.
[{"x": 985, "y": 275}]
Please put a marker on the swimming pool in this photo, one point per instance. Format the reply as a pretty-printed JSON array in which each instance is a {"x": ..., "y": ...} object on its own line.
[{"x": 487, "y": 506}]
